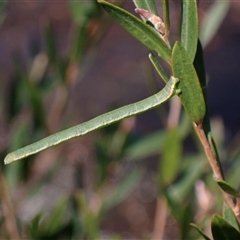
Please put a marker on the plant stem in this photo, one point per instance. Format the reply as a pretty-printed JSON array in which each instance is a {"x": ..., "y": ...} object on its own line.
[
  {"x": 237, "y": 209},
  {"x": 8, "y": 212},
  {"x": 174, "y": 112},
  {"x": 207, "y": 148},
  {"x": 160, "y": 218},
  {"x": 218, "y": 175}
]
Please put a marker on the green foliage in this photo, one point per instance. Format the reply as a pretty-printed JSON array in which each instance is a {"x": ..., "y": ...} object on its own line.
[
  {"x": 213, "y": 19},
  {"x": 120, "y": 193},
  {"x": 158, "y": 67},
  {"x": 147, "y": 5},
  {"x": 42, "y": 228},
  {"x": 229, "y": 216},
  {"x": 172, "y": 149},
  {"x": 147, "y": 146},
  {"x": 141, "y": 31},
  {"x": 177, "y": 177},
  {"x": 221, "y": 229},
  {"x": 191, "y": 92},
  {"x": 200, "y": 231},
  {"x": 189, "y": 27},
  {"x": 228, "y": 189}
]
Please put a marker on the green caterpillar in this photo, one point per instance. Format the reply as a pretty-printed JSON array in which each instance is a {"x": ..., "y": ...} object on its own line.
[{"x": 103, "y": 120}]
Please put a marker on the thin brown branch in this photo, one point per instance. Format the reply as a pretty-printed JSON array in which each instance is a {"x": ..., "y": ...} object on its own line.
[
  {"x": 160, "y": 218},
  {"x": 237, "y": 208},
  {"x": 207, "y": 148},
  {"x": 8, "y": 212},
  {"x": 161, "y": 209},
  {"x": 216, "y": 168},
  {"x": 174, "y": 112}
]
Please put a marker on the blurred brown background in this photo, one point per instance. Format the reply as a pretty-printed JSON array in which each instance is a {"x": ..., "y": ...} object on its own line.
[
  {"x": 119, "y": 58},
  {"x": 115, "y": 73}
]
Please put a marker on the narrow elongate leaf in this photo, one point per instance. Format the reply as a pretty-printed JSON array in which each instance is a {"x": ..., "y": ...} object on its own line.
[
  {"x": 191, "y": 92},
  {"x": 50, "y": 44},
  {"x": 166, "y": 17},
  {"x": 213, "y": 20},
  {"x": 189, "y": 27},
  {"x": 200, "y": 69},
  {"x": 185, "y": 218},
  {"x": 148, "y": 5},
  {"x": 228, "y": 189},
  {"x": 158, "y": 67},
  {"x": 147, "y": 146},
  {"x": 171, "y": 156},
  {"x": 123, "y": 189},
  {"x": 200, "y": 231},
  {"x": 222, "y": 230},
  {"x": 230, "y": 217},
  {"x": 181, "y": 188},
  {"x": 146, "y": 34}
]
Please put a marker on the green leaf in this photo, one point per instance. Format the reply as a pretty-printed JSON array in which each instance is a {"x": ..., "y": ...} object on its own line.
[
  {"x": 200, "y": 231},
  {"x": 183, "y": 186},
  {"x": 56, "y": 221},
  {"x": 191, "y": 92},
  {"x": 222, "y": 230},
  {"x": 228, "y": 189},
  {"x": 79, "y": 42},
  {"x": 158, "y": 67},
  {"x": 185, "y": 126},
  {"x": 51, "y": 48},
  {"x": 147, "y": 146},
  {"x": 36, "y": 102},
  {"x": 138, "y": 29},
  {"x": 171, "y": 156},
  {"x": 82, "y": 10},
  {"x": 89, "y": 218},
  {"x": 200, "y": 67},
  {"x": 18, "y": 95},
  {"x": 213, "y": 20},
  {"x": 186, "y": 218},
  {"x": 123, "y": 189},
  {"x": 189, "y": 27},
  {"x": 34, "y": 227},
  {"x": 166, "y": 17},
  {"x": 148, "y": 5},
  {"x": 3, "y": 5},
  {"x": 171, "y": 201},
  {"x": 200, "y": 70},
  {"x": 230, "y": 217},
  {"x": 78, "y": 10},
  {"x": 45, "y": 225}
]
